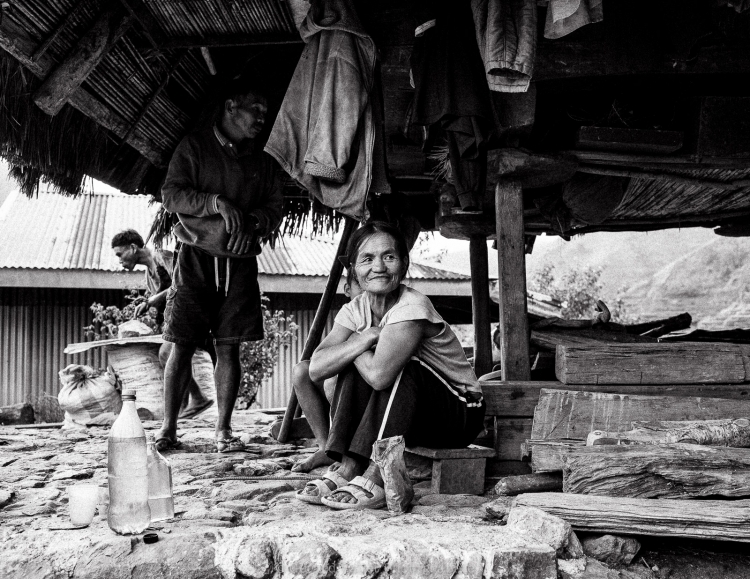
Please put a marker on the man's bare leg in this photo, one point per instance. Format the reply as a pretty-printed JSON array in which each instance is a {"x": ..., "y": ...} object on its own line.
[
  {"x": 313, "y": 402},
  {"x": 193, "y": 396},
  {"x": 227, "y": 376},
  {"x": 178, "y": 373}
]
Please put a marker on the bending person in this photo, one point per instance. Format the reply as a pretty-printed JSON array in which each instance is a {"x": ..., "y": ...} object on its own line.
[
  {"x": 401, "y": 371},
  {"x": 315, "y": 397}
]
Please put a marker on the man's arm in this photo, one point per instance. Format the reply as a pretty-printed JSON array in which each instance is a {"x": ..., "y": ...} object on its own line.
[
  {"x": 269, "y": 212},
  {"x": 179, "y": 192}
]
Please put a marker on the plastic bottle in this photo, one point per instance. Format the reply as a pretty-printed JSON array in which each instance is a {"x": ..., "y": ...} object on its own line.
[
  {"x": 127, "y": 463},
  {"x": 160, "y": 499}
]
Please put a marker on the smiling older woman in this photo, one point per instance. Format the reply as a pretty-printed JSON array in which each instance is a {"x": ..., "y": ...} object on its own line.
[{"x": 401, "y": 371}]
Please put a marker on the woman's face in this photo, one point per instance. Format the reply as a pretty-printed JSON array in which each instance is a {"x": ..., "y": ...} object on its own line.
[{"x": 378, "y": 266}]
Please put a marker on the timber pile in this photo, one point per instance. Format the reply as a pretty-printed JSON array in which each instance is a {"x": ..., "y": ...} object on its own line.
[{"x": 714, "y": 520}]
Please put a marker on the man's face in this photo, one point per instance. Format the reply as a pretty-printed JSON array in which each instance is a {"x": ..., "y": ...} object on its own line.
[
  {"x": 248, "y": 115},
  {"x": 127, "y": 255}
]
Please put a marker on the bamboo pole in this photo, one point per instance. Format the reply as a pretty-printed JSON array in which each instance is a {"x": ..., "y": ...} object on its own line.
[{"x": 319, "y": 322}]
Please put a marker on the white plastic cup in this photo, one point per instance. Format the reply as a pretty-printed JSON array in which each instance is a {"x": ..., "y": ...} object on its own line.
[{"x": 82, "y": 501}]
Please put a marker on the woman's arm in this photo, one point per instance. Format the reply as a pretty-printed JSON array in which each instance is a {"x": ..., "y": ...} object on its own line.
[
  {"x": 397, "y": 343},
  {"x": 339, "y": 349}
]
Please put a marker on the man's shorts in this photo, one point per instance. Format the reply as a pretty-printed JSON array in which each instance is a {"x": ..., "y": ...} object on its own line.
[{"x": 202, "y": 300}]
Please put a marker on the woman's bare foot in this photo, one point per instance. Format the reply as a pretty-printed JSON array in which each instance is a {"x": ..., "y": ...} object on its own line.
[{"x": 319, "y": 458}]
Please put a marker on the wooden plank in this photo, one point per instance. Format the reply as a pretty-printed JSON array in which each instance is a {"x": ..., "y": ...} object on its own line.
[
  {"x": 519, "y": 398},
  {"x": 669, "y": 363},
  {"x": 658, "y": 471},
  {"x": 714, "y": 520},
  {"x": 17, "y": 42},
  {"x": 480, "y": 305},
  {"x": 73, "y": 71},
  {"x": 471, "y": 451},
  {"x": 571, "y": 415},
  {"x": 511, "y": 258},
  {"x": 635, "y": 140},
  {"x": 734, "y": 433},
  {"x": 510, "y": 434}
]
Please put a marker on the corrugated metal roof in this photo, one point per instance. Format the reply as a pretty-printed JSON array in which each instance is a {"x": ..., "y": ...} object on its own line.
[{"x": 57, "y": 232}]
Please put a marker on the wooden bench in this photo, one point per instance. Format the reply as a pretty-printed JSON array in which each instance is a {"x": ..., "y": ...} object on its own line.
[{"x": 456, "y": 470}]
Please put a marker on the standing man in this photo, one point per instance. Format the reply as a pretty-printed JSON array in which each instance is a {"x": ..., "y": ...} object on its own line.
[
  {"x": 131, "y": 251},
  {"x": 227, "y": 195}
]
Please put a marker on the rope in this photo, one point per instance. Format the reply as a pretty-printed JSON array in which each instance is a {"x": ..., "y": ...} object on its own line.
[{"x": 258, "y": 478}]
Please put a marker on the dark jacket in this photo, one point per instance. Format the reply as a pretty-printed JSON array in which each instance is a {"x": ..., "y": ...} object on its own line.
[
  {"x": 324, "y": 133},
  {"x": 206, "y": 165}
]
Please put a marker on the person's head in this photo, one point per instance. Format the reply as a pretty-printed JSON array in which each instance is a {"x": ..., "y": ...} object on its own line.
[
  {"x": 379, "y": 256},
  {"x": 127, "y": 245},
  {"x": 243, "y": 111}
]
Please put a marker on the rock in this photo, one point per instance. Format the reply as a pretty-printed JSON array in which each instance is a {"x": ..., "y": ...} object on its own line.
[
  {"x": 612, "y": 550},
  {"x": 592, "y": 569},
  {"x": 547, "y": 529},
  {"x": 17, "y": 414},
  {"x": 499, "y": 508},
  {"x": 77, "y": 474},
  {"x": 261, "y": 491},
  {"x": 453, "y": 500},
  {"x": 309, "y": 558},
  {"x": 5, "y": 497},
  {"x": 256, "y": 561}
]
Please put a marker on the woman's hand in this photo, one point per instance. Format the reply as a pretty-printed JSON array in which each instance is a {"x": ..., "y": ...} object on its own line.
[{"x": 372, "y": 335}]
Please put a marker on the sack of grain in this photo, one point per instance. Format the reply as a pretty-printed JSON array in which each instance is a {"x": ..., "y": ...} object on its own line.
[{"x": 88, "y": 397}]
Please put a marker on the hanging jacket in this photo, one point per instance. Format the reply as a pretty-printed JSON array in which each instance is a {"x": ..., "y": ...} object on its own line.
[{"x": 324, "y": 133}]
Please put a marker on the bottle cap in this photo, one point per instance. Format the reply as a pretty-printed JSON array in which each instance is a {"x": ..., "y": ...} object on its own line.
[
  {"x": 128, "y": 394},
  {"x": 150, "y": 538}
]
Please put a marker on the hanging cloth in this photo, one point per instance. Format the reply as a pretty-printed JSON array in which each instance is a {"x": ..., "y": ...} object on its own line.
[
  {"x": 566, "y": 16},
  {"x": 506, "y": 34}
]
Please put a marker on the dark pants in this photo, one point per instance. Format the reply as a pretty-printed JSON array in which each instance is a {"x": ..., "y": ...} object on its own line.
[{"x": 420, "y": 406}]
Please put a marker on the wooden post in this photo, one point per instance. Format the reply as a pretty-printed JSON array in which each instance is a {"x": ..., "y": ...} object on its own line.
[
  {"x": 480, "y": 305},
  {"x": 511, "y": 259},
  {"x": 319, "y": 322},
  {"x": 64, "y": 80}
]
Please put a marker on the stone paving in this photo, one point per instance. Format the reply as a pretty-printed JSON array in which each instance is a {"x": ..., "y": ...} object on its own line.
[{"x": 230, "y": 529}]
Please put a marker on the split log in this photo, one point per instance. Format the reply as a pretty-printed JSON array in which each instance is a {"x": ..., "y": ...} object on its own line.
[
  {"x": 72, "y": 72},
  {"x": 17, "y": 414},
  {"x": 733, "y": 433},
  {"x": 657, "y": 471},
  {"x": 529, "y": 483},
  {"x": 673, "y": 363},
  {"x": 714, "y": 520},
  {"x": 548, "y": 455},
  {"x": 571, "y": 415}
]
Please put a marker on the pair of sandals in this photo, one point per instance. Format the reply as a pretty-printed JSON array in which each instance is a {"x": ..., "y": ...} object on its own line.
[
  {"x": 358, "y": 488},
  {"x": 226, "y": 443}
]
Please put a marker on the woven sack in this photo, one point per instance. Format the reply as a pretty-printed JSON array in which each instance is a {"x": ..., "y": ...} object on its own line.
[{"x": 88, "y": 397}]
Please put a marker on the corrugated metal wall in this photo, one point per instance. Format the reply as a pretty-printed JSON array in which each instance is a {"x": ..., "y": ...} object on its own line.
[
  {"x": 35, "y": 326},
  {"x": 275, "y": 391},
  {"x": 37, "y": 323}
]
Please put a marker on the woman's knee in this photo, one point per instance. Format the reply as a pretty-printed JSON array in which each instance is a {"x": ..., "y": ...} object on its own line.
[
  {"x": 301, "y": 375},
  {"x": 227, "y": 352}
]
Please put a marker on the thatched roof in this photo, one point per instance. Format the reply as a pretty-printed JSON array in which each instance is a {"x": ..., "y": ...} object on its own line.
[{"x": 155, "y": 84}]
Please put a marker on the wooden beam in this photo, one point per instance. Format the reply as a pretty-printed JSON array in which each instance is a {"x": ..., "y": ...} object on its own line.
[
  {"x": 480, "y": 305},
  {"x": 17, "y": 42},
  {"x": 665, "y": 471},
  {"x": 151, "y": 29},
  {"x": 667, "y": 178},
  {"x": 655, "y": 363},
  {"x": 39, "y": 52},
  {"x": 519, "y": 398},
  {"x": 319, "y": 323},
  {"x": 713, "y": 520},
  {"x": 571, "y": 415},
  {"x": 68, "y": 76},
  {"x": 658, "y": 162},
  {"x": 229, "y": 41},
  {"x": 511, "y": 258}
]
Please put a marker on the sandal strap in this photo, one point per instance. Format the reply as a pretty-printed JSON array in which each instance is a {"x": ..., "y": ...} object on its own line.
[
  {"x": 335, "y": 478},
  {"x": 355, "y": 491},
  {"x": 368, "y": 485},
  {"x": 323, "y": 489}
]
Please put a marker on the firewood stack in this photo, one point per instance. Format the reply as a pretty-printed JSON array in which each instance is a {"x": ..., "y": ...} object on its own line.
[{"x": 637, "y": 433}]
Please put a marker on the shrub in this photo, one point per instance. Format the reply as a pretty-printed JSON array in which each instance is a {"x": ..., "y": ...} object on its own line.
[
  {"x": 106, "y": 319},
  {"x": 258, "y": 359}
]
